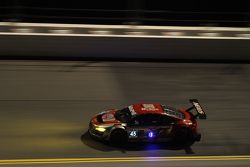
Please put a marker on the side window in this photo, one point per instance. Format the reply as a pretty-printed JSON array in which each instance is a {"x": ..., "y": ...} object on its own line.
[
  {"x": 152, "y": 120},
  {"x": 147, "y": 120},
  {"x": 166, "y": 120},
  {"x": 139, "y": 120},
  {"x": 136, "y": 120}
]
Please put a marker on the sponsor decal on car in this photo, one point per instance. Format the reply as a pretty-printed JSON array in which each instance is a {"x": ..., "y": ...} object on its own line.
[
  {"x": 149, "y": 107},
  {"x": 132, "y": 110},
  {"x": 108, "y": 117},
  {"x": 198, "y": 107}
]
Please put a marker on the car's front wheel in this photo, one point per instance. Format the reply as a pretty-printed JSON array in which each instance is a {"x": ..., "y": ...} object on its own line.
[{"x": 118, "y": 137}]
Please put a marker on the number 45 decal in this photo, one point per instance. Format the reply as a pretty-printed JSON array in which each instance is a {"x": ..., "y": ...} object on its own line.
[{"x": 133, "y": 134}]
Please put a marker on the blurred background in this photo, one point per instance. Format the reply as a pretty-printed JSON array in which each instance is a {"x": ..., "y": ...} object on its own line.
[{"x": 145, "y": 12}]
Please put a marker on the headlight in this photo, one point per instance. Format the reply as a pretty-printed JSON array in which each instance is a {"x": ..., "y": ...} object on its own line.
[{"x": 100, "y": 129}]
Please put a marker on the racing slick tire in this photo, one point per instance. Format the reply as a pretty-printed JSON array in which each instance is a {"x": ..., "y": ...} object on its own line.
[
  {"x": 184, "y": 136},
  {"x": 118, "y": 137}
]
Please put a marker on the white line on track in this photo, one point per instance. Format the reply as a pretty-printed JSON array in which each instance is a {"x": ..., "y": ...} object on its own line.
[{"x": 121, "y": 36}]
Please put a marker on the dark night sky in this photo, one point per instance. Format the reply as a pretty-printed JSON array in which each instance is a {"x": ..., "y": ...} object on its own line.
[
  {"x": 170, "y": 5},
  {"x": 151, "y": 12}
]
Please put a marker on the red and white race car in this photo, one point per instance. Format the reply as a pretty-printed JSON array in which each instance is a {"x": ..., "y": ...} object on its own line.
[{"x": 147, "y": 123}]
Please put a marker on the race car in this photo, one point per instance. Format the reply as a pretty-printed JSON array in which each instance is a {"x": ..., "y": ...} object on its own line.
[{"x": 147, "y": 123}]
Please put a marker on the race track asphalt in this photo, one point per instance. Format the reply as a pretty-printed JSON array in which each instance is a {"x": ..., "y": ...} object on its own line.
[{"x": 45, "y": 106}]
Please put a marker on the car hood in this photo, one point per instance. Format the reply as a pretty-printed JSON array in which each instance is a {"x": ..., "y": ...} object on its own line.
[{"x": 109, "y": 116}]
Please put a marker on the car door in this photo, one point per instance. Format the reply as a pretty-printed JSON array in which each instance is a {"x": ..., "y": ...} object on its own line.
[
  {"x": 148, "y": 127},
  {"x": 136, "y": 128}
]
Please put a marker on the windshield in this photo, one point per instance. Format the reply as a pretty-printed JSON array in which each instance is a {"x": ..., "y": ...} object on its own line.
[
  {"x": 173, "y": 112},
  {"x": 123, "y": 115}
]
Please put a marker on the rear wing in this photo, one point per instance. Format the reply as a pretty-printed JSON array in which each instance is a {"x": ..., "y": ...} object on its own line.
[{"x": 200, "y": 112}]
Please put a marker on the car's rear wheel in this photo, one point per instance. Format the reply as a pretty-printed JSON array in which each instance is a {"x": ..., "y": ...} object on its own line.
[
  {"x": 118, "y": 137},
  {"x": 183, "y": 135}
]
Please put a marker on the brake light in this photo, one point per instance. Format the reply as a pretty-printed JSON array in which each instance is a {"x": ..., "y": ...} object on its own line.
[{"x": 187, "y": 122}]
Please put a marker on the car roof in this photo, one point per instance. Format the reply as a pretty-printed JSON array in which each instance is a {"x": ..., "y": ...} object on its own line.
[{"x": 146, "y": 108}]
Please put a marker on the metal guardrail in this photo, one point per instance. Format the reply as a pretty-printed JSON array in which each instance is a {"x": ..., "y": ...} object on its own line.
[{"x": 123, "y": 41}]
